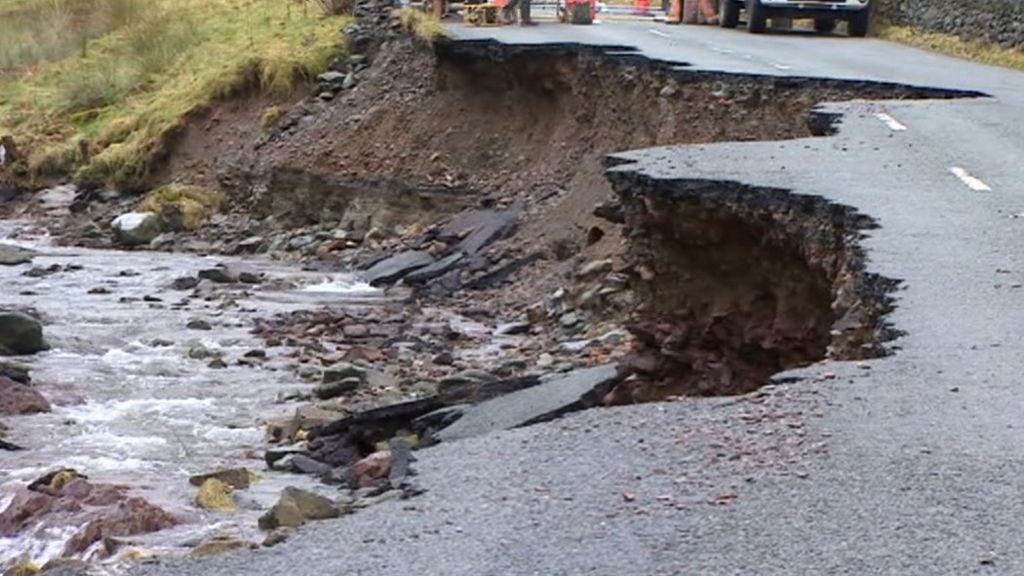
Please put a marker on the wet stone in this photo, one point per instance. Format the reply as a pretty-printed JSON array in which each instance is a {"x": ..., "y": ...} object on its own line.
[
  {"x": 20, "y": 334},
  {"x": 14, "y": 255},
  {"x": 237, "y": 478},
  {"x": 296, "y": 507},
  {"x": 277, "y": 536},
  {"x": 198, "y": 324},
  {"x": 184, "y": 283},
  {"x": 19, "y": 399},
  {"x": 337, "y": 388}
]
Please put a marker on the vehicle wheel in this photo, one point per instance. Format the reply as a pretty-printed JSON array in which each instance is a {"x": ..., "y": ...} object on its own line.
[
  {"x": 728, "y": 13},
  {"x": 757, "y": 17},
  {"x": 825, "y": 25},
  {"x": 858, "y": 24}
]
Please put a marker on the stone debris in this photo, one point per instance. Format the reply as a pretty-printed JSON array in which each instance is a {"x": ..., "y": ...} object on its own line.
[{"x": 296, "y": 507}]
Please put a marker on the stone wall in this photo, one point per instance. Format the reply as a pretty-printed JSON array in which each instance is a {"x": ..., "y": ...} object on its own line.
[{"x": 997, "y": 21}]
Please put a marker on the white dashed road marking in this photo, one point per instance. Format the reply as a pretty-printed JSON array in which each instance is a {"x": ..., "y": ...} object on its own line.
[
  {"x": 893, "y": 124},
  {"x": 971, "y": 182},
  {"x": 658, "y": 33}
]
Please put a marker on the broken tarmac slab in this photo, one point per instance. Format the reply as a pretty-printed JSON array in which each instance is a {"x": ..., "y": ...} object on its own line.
[
  {"x": 480, "y": 228},
  {"x": 574, "y": 391},
  {"x": 392, "y": 269}
]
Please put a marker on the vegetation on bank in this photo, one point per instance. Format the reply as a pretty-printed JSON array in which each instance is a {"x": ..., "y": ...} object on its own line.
[
  {"x": 420, "y": 25},
  {"x": 194, "y": 204},
  {"x": 977, "y": 50},
  {"x": 95, "y": 88}
]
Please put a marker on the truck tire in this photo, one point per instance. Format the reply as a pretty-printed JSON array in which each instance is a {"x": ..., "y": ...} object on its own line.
[
  {"x": 757, "y": 17},
  {"x": 728, "y": 13},
  {"x": 858, "y": 24},
  {"x": 825, "y": 25}
]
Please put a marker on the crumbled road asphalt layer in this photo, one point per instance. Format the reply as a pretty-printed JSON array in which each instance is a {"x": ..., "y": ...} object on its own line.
[{"x": 738, "y": 283}]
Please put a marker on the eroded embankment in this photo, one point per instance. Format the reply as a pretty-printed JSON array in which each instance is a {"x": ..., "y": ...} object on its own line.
[
  {"x": 737, "y": 283},
  {"x": 426, "y": 132},
  {"x": 507, "y": 122},
  {"x": 730, "y": 285}
]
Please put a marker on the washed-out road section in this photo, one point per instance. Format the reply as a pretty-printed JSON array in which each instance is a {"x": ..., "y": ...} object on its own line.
[{"x": 908, "y": 464}]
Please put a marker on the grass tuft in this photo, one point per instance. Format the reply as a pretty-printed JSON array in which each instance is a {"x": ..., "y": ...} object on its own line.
[
  {"x": 270, "y": 117},
  {"x": 976, "y": 50},
  {"x": 195, "y": 204},
  {"x": 421, "y": 25}
]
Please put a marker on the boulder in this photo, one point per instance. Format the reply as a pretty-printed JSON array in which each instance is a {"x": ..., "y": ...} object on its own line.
[
  {"x": 219, "y": 274},
  {"x": 198, "y": 324},
  {"x": 136, "y": 228},
  {"x": 17, "y": 399},
  {"x": 296, "y": 507},
  {"x": 14, "y": 255},
  {"x": 275, "y": 455},
  {"x": 370, "y": 471},
  {"x": 302, "y": 464},
  {"x": 64, "y": 498},
  {"x": 127, "y": 518},
  {"x": 215, "y": 495},
  {"x": 20, "y": 334},
  {"x": 237, "y": 478}
]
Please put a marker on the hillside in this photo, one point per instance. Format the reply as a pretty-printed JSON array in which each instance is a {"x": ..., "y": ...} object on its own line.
[{"x": 93, "y": 89}]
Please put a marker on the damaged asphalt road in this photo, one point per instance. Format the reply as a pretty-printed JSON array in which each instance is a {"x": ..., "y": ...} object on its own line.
[{"x": 902, "y": 465}]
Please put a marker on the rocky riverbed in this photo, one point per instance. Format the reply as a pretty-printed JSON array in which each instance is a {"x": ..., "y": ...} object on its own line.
[
  {"x": 158, "y": 367},
  {"x": 145, "y": 384}
]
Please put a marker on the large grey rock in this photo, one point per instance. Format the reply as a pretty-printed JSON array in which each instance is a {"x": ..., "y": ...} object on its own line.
[
  {"x": 14, "y": 255},
  {"x": 136, "y": 228},
  {"x": 20, "y": 334},
  {"x": 546, "y": 401},
  {"x": 394, "y": 268},
  {"x": 296, "y": 507}
]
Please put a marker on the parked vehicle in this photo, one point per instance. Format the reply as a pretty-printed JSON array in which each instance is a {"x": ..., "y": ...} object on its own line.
[{"x": 825, "y": 13}]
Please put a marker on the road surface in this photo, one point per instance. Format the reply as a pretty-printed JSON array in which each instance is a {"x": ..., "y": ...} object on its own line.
[{"x": 911, "y": 464}]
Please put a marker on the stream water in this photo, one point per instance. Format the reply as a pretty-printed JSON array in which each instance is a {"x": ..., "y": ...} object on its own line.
[{"x": 131, "y": 410}]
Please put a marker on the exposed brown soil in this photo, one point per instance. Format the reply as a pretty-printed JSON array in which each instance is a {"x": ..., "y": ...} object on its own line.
[
  {"x": 739, "y": 283},
  {"x": 504, "y": 124}
]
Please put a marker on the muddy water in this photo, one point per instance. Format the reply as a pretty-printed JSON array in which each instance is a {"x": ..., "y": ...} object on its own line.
[{"x": 132, "y": 411}]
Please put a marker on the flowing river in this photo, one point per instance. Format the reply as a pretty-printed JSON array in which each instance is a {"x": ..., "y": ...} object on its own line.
[{"x": 130, "y": 406}]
